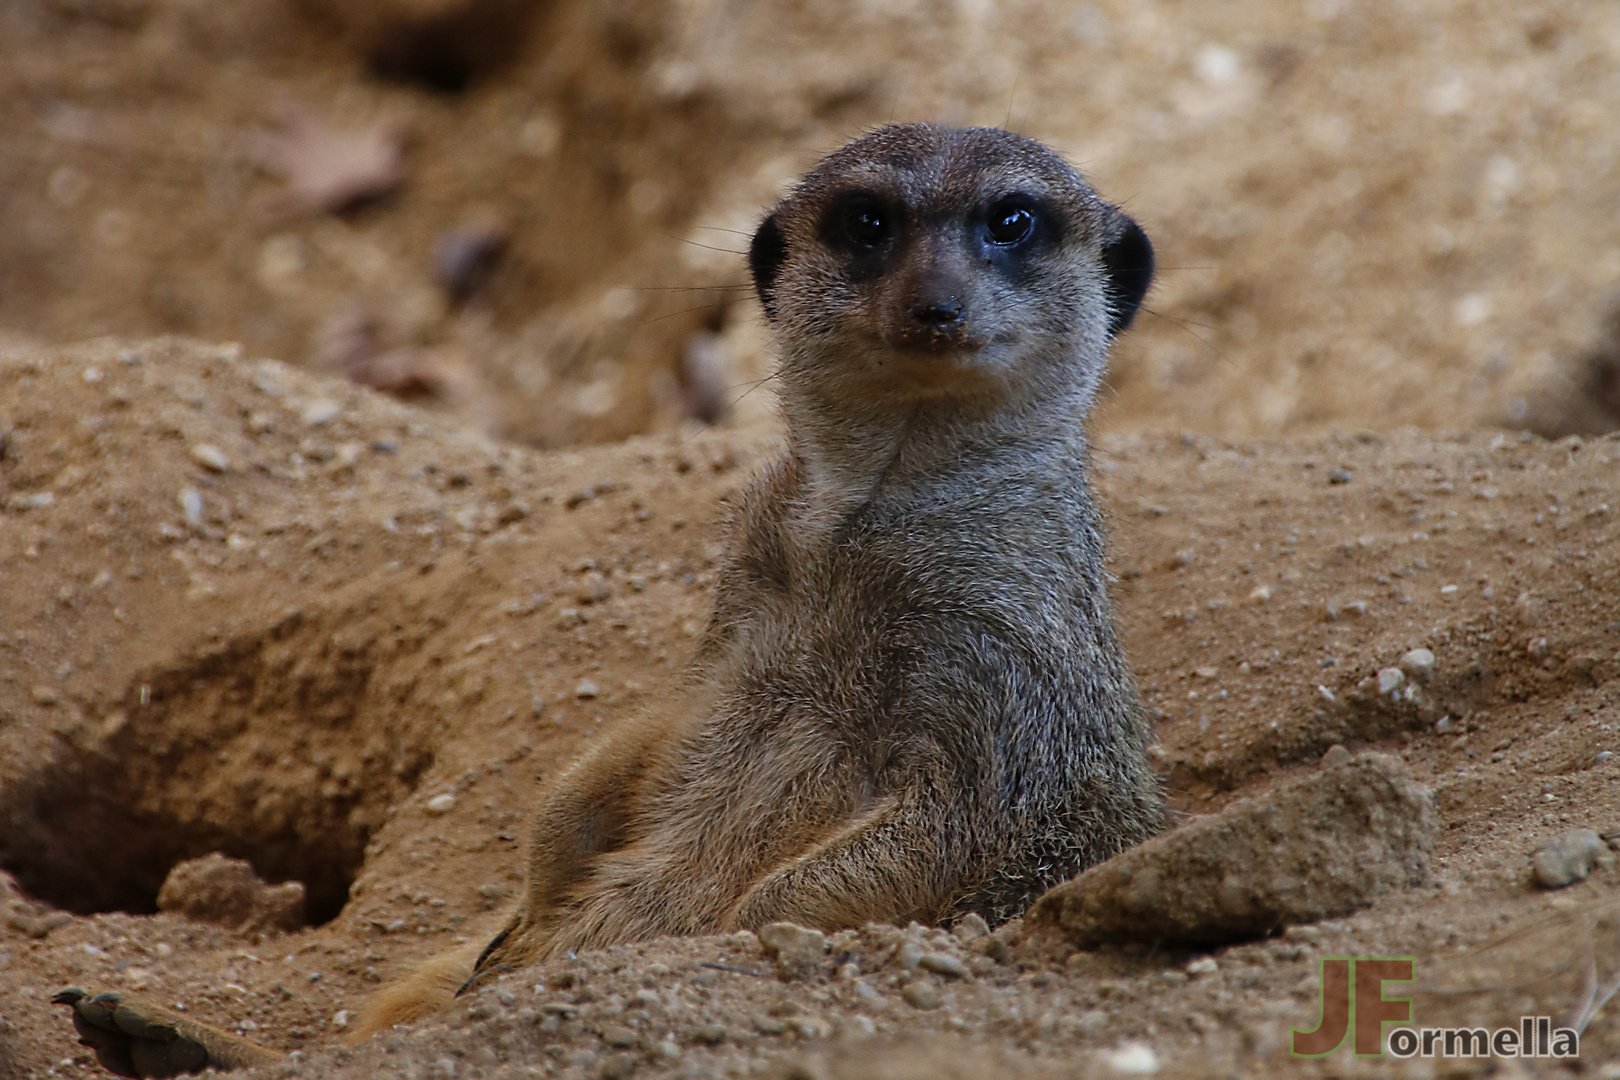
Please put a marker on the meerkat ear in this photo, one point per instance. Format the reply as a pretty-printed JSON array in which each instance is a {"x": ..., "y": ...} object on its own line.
[
  {"x": 1129, "y": 262},
  {"x": 766, "y": 254}
]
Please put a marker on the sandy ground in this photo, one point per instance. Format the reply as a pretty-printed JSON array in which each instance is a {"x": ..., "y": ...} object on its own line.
[{"x": 256, "y": 611}]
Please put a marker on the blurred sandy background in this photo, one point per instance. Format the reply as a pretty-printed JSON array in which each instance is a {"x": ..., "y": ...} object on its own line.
[{"x": 1369, "y": 212}]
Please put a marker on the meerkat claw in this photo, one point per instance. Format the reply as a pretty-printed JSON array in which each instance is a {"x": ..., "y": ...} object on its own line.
[{"x": 138, "y": 1038}]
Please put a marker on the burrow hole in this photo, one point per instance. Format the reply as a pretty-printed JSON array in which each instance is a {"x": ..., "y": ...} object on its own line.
[{"x": 263, "y": 751}]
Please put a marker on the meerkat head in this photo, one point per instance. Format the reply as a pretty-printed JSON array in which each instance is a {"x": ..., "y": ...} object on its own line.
[{"x": 923, "y": 262}]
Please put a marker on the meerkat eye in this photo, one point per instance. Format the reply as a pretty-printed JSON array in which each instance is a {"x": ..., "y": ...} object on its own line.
[
  {"x": 866, "y": 223},
  {"x": 1010, "y": 223}
]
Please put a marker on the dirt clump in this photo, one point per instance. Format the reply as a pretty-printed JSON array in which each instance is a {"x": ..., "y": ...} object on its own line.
[
  {"x": 217, "y": 889},
  {"x": 1318, "y": 846}
]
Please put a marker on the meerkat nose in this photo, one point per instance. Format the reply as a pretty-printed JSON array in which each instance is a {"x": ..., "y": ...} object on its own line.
[{"x": 938, "y": 314}]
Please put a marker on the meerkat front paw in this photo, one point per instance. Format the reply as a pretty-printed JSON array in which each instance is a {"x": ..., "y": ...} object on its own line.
[{"x": 139, "y": 1038}]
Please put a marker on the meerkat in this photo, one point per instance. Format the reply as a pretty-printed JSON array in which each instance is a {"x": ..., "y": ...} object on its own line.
[{"x": 910, "y": 702}]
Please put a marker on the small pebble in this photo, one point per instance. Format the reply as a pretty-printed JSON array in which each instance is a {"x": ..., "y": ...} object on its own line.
[
  {"x": 1204, "y": 965},
  {"x": 34, "y": 501},
  {"x": 971, "y": 927},
  {"x": 618, "y": 1036},
  {"x": 1336, "y": 754},
  {"x": 1133, "y": 1059},
  {"x": 191, "y": 505},
  {"x": 441, "y": 804},
  {"x": 796, "y": 950},
  {"x": 44, "y": 695},
  {"x": 1604, "y": 755},
  {"x": 1418, "y": 664},
  {"x": 1566, "y": 859},
  {"x": 593, "y": 588},
  {"x": 810, "y": 1027},
  {"x": 943, "y": 964},
  {"x": 321, "y": 411},
  {"x": 586, "y": 690},
  {"x": 909, "y": 956},
  {"x": 1339, "y": 476},
  {"x": 921, "y": 994},
  {"x": 1390, "y": 679},
  {"x": 210, "y": 457}
]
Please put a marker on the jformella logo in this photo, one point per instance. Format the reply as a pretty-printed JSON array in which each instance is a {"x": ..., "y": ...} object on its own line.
[{"x": 1353, "y": 1001}]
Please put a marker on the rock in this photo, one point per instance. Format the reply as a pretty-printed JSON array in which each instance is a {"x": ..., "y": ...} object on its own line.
[
  {"x": 1317, "y": 846},
  {"x": 810, "y": 1027},
  {"x": 970, "y": 927},
  {"x": 1418, "y": 664},
  {"x": 998, "y": 946},
  {"x": 1566, "y": 859},
  {"x": 217, "y": 889},
  {"x": 593, "y": 588},
  {"x": 943, "y": 964},
  {"x": 210, "y": 457},
  {"x": 618, "y": 1036},
  {"x": 1132, "y": 1059},
  {"x": 36, "y": 926},
  {"x": 797, "y": 951},
  {"x": 921, "y": 994},
  {"x": 321, "y": 412},
  {"x": 586, "y": 690},
  {"x": 908, "y": 956},
  {"x": 33, "y": 502},
  {"x": 1390, "y": 679},
  {"x": 441, "y": 804},
  {"x": 1336, "y": 755},
  {"x": 1204, "y": 965},
  {"x": 191, "y": 505}
]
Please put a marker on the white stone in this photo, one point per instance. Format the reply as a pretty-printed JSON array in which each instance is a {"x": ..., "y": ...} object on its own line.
[
  {"x": 1133, "y": 1059},
  {"x": 1419, "y": 664},
  {"x": 210, "y": 457}
]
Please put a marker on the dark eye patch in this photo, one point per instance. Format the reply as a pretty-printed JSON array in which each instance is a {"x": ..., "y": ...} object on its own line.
[
  {"x": 1009, "y": 232},
  {"x": 1011, "y": 221},
  {"x": 860, "y": 222}
]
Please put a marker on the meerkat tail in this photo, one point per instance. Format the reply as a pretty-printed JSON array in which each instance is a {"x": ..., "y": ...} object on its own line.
[{"x": 423, "y": 992}]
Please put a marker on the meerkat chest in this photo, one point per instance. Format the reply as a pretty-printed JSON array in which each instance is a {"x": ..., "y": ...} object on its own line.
[{"x": 831, "y": 607}]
